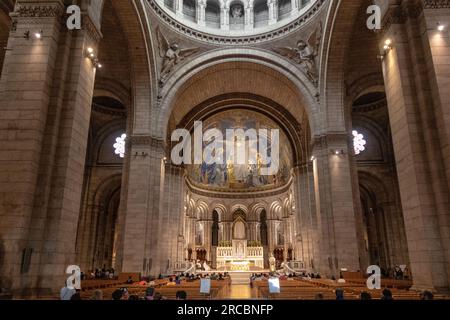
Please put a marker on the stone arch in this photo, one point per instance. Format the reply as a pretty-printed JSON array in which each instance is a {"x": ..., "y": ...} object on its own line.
[
  {"x": 336, "y": 44},
  {"x": 212, "y": 13},
  {"x": 218, "y": 62},
  {"x": 372, "y": 82},
  {"x": 221, "y": 210},
  {"x": 296, "y": 132},
  {"x": 113, "y": 89},
  {"x": 201, "y": 211},
  {"x": 190, "y": 9},
  {"x": 133, "y": 22},
  {"x": 260, "y": 13},
  {"x": 287, "y": 207},
  {"x": 374, "y": 183},
  {"x": 104, "y": 134},
  {"x": 275, "y": 210},
  {"x": 383, "y": 203},
  {"x": 256, "y": 209},
  {"x": 96, "y": 214},
  {"x": 373, "y": 128},
  {"x": 239, "y": 206},
  {"x": 238, "y": 22}
]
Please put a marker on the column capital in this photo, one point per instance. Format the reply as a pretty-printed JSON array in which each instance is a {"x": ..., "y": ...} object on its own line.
[{"x": 330, "y": 139}]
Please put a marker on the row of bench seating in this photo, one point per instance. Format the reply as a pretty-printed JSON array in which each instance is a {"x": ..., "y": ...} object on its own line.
[
  {"x": 308, "y": 289},
  {"x": 219, "y": 290}
]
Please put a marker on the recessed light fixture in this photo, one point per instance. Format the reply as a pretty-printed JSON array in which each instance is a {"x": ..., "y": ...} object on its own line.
[
  {"x": 440, "y": 27},
  {"x": 38, "y": 35}
]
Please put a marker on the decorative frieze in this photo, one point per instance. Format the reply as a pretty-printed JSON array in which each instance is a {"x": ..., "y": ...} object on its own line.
[
  {"x": 34, "y": 10},
  {"x": 145, "y": 140}
]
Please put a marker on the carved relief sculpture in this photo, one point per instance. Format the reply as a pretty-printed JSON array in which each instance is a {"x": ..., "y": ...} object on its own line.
[
  {"x": 305, "y": 54},
  {"x": 172, "y": 55}
]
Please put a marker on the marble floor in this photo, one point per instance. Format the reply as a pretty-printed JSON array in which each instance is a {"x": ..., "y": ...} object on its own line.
[{"x": 240, "y": 291}]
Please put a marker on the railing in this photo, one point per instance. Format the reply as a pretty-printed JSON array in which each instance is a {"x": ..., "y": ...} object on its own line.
[
  {"x": 252, "y": 252},
  {"x": 225, "y": 251},
  {"x": 255, "y": 252},
  {"x": 293, "y": 267},
  {"x": 184, "y": 267}
]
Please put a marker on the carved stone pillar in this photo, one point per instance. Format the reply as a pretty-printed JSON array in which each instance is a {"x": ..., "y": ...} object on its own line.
[
  {"x": 418, "y": 112},
  {"x": 51, "y": 112},
  {"x": 178, "y": 7},
  {"x": 305, "y": 210},
  {"x": 171, "y": 220},
  {"x": 225, "y": 16},
  {"x": 144, "y": 206},
  {"x": 273, "y": 11},
  {"x": 295, "y": 6},
  {"x": 201, "y": 11},
  {"x": 334, "y": 205},
  {"x": 249, "y": 18}
]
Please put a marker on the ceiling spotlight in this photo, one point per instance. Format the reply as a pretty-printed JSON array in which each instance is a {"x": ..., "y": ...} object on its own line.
[
  {"x": 440, "y": 27},
  {"x": 313, "y": 158},
  {"x": 99, "y": 65},
  {"x": 388, "y": 42},
  {"x": 90, "y": 50}
]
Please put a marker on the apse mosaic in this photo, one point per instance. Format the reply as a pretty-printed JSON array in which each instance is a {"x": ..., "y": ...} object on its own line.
[{"x": 246, "y": 176}]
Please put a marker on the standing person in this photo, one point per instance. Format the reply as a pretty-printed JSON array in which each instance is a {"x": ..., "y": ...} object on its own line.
[
  {"x": 149, "y": 294},
  {"x": 339, "y": 294},
  {"x": 66, "y": 293}
]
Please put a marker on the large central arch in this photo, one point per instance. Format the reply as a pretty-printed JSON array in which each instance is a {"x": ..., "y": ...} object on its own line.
[{"x": 236, "y": 71}]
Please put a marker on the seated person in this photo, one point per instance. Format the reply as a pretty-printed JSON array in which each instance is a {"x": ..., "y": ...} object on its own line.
[
  {"x": 130, "y": 280},
  {"x": 171, "y": 282},
  {"x": 181, "y": 295}
]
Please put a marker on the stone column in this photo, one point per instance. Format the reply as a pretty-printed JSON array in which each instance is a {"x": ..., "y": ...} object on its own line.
[
  {"x": 295, "y": 6},
  {"x": 178, "y": 7},
  {"x": 25, "y": 93},
  {"x": 171, "y": 219},
  {"x": 305, "y": 210},
  {"x": 201, "y": 12},
  {"x": 273, "y": 11},
  {"x": 249, "y": 18},
  {"x": 334, "y": 205},
  {"x": 65, "y": 174},
  {"x": 46, "y": 92},
  {"x": 207, "y": 225},
  {"x": 144, "y": 206},
  {"x": 419, "y": 127},
  {"x": 225, "y": 16}
]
